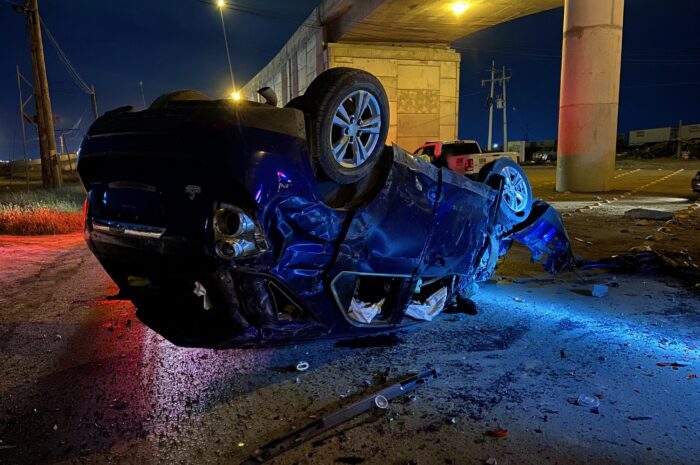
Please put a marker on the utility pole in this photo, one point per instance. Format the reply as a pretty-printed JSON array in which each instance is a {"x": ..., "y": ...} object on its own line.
[
  {"x": 505, "y": 79},
  {"x": 678, "y": 140},
  {"x": 493, "y": 82},
  {"x": 93, "y": 100},
  {"x": 50, "y": 170},
  {"x": 65, "y": 151},
  {"x": 502, "y": 105}
]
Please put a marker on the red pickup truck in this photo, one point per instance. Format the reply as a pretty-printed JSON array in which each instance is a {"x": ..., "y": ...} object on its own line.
[{"x": 462, "y": 156}]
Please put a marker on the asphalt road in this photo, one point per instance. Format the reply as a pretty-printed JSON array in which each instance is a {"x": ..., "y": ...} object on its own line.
[{"x": 83, "y": 381}]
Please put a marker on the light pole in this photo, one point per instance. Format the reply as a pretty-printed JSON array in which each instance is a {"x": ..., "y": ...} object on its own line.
[
  {"x": 143, "y": 96},
  {"x": 235, "y": 95}
]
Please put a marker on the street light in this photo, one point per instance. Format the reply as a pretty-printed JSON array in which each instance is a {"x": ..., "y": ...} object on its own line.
[
  {"x": 458, "y": 8},
  {"x": 143, "y": 96},
  {"x": 235, "y": 95}
]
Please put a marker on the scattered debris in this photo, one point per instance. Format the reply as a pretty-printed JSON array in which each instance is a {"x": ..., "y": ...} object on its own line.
[
  {"x": 119, "y": 405},
  {"x": 491, "y": 461},
  {"x": 639, "y": 418},
  {"x": 691, "y": 377},
  {"x": 533, "y": 280},
  {"x": 323, "y": 424},
  {"x": 665, "y": 230},
  {"x": 588, "y": 401},
  {"x": 497, "y": 433},
  {"x": 646, "y": 214},
  {"x": 381, "y": 402},
  {"x": 201, "y": 291},
  {"x": 302, "y": 366},
  {"x": 583, "y": 241},
  {"x": 462, "y": 306},
  {"x": 429, "y": 309},
  {"x": 599, "y": 290},
  {"x": 518, "y": 299},
  {"x": 640, "y": 248},
  {"x": 364, "y": 312},
  {"x": 353, "y": 460},
  {"x": 642, "y": 259},
  {"x": 562, "y": 354},
  {"x": 674, "y": 365}
]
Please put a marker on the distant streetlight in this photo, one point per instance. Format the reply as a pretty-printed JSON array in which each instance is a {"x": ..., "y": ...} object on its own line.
[
  {"x": 459, "y": 7},
  {"x": 143, "y": 96},
  {"x": 222, "y": 4}
]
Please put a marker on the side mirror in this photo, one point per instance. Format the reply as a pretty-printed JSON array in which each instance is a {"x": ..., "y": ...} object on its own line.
[{"x": 269, "y": 95}]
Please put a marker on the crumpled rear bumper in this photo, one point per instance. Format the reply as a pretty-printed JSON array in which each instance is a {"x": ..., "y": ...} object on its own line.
[{"x": 545, "y": 235}]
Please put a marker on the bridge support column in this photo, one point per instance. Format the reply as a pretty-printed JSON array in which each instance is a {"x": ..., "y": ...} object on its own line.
[{"x": 590, "y": 89}]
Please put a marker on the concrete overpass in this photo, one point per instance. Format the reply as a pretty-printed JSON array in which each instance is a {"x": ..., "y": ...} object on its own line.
[{"x": 406, "y": 44}]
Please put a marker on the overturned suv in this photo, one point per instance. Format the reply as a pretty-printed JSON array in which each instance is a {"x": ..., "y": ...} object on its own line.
[{"x": 239, "y": 224}]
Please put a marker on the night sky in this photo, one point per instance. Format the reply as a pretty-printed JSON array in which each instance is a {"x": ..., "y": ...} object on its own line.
[{"x": 178, "y": 44}]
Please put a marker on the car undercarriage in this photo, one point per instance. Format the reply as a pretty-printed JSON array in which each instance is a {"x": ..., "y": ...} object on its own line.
[{"x": 218, "y": 221}]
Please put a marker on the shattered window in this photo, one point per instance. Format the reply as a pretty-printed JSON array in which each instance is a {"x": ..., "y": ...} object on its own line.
[{"x": 468, "y": 148}]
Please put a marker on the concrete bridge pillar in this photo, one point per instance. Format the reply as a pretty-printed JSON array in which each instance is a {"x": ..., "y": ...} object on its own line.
[{"x": 589, "y": 98}]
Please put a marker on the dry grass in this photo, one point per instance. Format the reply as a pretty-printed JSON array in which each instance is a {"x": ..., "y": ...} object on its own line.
[
  {"x": 41, "y": 212},
  {"x": 38, "y": 221}
]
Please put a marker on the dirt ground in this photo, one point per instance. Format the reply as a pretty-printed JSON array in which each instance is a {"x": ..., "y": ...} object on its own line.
[{"x": 83, "y": 381}]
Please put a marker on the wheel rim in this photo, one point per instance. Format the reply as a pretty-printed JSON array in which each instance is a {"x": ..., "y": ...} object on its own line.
[
  {"x": 357, "y": 123},
  {"x": 515, "y": 192}
]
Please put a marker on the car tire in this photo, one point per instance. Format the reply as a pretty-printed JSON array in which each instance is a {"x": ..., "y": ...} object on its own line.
[
  {"x": 348, "y": 113},
  {"x": 516, "y": 201}
]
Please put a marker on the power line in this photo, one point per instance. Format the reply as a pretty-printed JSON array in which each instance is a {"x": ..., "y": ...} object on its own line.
[
  {"x": 631, "y": 61},
  {"x": 662, "y": 84},
  {"x": 72, "y": 72}
]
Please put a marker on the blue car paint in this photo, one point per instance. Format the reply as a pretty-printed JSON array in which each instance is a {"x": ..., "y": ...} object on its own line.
[{"x": 424, "y": 222}]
